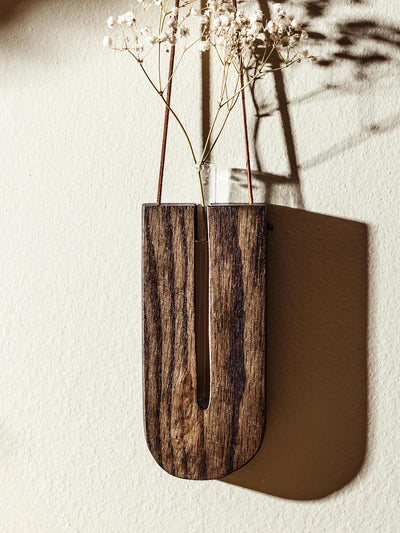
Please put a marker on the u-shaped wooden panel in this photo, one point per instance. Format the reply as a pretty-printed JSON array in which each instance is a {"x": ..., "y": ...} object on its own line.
[{"x": 186, "y": 440}]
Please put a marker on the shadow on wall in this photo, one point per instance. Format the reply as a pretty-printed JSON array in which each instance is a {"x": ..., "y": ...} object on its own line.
[
  {"x": 382, "y": 40},
  {"x": 317, "y": 412},
  {"x": 316, "y": 429},
  {"x": 12, "y": 8},
  {"x": 362, "y": 44}
]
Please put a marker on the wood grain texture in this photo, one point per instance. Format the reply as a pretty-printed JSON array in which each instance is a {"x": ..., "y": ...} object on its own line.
[{"x": 186, "y": 440}]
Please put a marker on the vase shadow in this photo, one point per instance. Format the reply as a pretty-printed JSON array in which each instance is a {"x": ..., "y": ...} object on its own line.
[
  {"x": 316, "y": 429},
  {"x": 231, "y": 186}
]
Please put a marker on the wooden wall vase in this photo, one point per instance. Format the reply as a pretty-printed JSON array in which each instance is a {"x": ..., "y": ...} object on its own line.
[{"x": 186, "y": 440}]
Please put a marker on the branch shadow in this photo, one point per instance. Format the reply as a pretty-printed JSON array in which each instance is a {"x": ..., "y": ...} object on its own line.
[
  {"x": 11, "y": 10},
  {"x": 364, "y": 44},
  {"x": 345, "y": 40},
  {"x": 265, "y": 180}
]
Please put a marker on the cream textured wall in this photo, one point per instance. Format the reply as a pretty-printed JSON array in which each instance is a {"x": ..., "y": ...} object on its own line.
[{"x": 80, "y": 135}]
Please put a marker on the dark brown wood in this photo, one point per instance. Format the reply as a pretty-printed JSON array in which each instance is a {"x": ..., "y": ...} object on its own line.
[
  {"x": 186, "y": 440},
  {"x": 201, "y": 277}
]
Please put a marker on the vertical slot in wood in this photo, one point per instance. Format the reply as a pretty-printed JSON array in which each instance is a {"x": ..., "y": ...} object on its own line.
[{"x": 201, "y": 275}]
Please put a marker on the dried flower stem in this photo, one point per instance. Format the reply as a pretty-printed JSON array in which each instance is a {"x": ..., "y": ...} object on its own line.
[
  {"x": 166, "y": 117},
  {"x": 182, "y": 127},
  {"x": 234, "y": 37}
]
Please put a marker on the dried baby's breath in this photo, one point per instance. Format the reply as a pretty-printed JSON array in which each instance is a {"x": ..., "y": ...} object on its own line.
[{"x": 239, "y": 41}]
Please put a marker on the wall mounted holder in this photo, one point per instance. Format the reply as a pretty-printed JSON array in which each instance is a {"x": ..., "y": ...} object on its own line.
[{"x": 186, "y": 440}]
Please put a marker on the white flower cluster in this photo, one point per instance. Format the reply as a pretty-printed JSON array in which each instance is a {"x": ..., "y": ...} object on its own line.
[
  {"x": 285, "y": 30},
  {"x": 229, "y": 29},
  {"x": 235, "y": 35},
  {"x": 138, "y": 37},
  {"x": 241, "y": 42}
]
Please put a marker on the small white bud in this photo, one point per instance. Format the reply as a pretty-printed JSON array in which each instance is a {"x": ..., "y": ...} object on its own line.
[
  {"x": 111, "y": 22},
  {"x": 138, "y": 48},
  {"x": 257, "y": 16},
  {"x": 224, "y": 20},
  {"x": 107, "y": 42},
  {"x": 183, "y": 31},
  {"x": 295, "y": 24},
  {"x": 172, "y": 23},
  {"x": 204, "y": 46}
]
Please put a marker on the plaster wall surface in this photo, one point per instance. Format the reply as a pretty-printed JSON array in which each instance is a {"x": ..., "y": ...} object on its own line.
[{"x": 80, "y": 139}]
